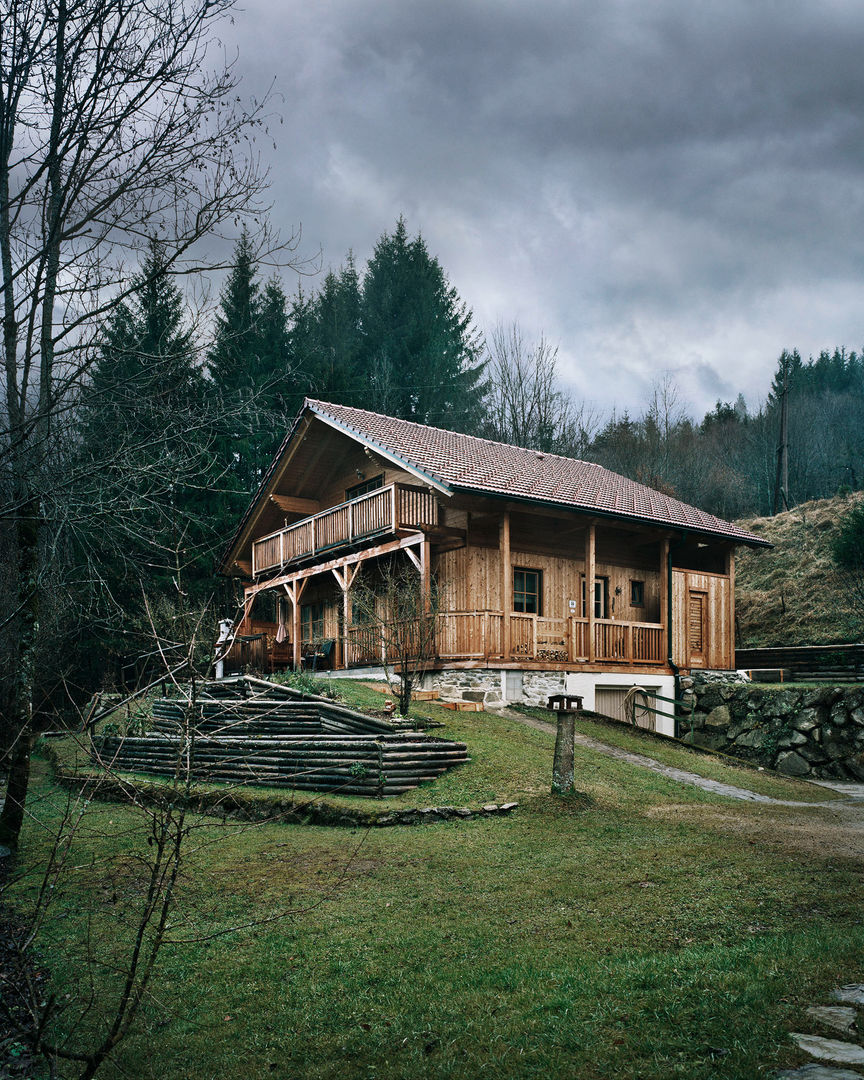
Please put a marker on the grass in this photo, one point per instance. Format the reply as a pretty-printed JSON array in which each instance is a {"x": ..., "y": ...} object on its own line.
[
  {"x": 710, "y": 766},
  {"x": 792, "y": 594},
  {"x": 587, "y": 940}
]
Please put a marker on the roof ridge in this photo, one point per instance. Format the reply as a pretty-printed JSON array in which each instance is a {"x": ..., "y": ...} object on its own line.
[{"x": 450, "y": 431}]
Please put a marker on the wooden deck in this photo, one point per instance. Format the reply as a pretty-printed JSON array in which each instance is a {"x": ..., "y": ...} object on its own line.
[{"x": 381, "y": 512}]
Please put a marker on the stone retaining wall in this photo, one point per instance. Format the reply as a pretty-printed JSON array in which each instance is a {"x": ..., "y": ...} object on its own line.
[{"x": 800, "y": 731}]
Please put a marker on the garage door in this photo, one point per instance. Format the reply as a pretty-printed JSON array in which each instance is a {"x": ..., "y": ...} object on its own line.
[{"x": 609, "y": 701}]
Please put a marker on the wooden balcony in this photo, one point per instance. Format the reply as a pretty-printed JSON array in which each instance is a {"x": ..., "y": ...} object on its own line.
[
  {"x": 477, "y": 635},
  {"x": 381, "y": 512}
]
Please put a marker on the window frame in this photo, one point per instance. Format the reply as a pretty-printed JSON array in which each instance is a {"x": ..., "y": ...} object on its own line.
[
  {"x": 312, "y": 618},
  {"x": 525, "y": 593},
  {"x": 602, "y": 601},
  {"x": 637, "y": 593},
  {"x": 364, "y": 487}
]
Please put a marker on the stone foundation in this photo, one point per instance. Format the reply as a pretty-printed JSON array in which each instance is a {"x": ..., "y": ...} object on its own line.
[
  {"x": 801, "y": 731},
  {"x": 491, "y": 686}
]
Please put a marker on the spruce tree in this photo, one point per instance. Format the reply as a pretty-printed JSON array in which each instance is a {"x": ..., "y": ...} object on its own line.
[
  {"x": 144, "y": 439},
  {"x": 251, "y": 389},
  {"x": 233, "y": 361},
  {"x": 422, "y": 351}
]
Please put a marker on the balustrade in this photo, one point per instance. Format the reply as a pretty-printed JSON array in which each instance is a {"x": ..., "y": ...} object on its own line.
[{"x": 384, "y": 510}]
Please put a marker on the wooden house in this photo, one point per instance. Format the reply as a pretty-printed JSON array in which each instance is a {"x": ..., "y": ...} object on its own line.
[{"x": 548, "y": 573}]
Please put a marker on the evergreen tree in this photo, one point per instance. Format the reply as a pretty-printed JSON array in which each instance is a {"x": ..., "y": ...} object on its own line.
[
  {"x": 233, "y": 361},
  {"x": 251, "y": 389},
  {"x": 422, "y": 351},
  {"x": 144, "y": 440},
  {"x": 146, "y": 365},
  {"x": 337, "y": 364}
]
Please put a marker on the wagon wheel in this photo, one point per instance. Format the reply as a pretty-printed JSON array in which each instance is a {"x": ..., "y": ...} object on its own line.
[{"x": 637, "y": 706}]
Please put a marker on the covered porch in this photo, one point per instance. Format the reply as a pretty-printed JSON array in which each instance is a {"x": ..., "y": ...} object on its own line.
[{"x": 317, "y": 626}]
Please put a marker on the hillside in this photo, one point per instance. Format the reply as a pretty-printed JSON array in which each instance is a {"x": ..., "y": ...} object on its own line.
[{"x": 791, "y": 594}]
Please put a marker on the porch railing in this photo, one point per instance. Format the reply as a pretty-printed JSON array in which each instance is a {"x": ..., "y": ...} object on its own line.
[
  {"x": 477, "y": 635},
  {"x": 385, "y": 510},
  {"x": 468, "y": 635}
]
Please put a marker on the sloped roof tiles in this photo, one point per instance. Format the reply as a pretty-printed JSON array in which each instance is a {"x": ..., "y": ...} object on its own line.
[{"x": 493, "y": 468}]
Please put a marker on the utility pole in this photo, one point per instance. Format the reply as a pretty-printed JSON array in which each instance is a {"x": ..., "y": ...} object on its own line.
[{"x": 781, "y": 480}]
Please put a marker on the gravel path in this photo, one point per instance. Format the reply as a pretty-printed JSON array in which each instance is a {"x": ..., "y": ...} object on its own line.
[{"x": 854, "y": 792}]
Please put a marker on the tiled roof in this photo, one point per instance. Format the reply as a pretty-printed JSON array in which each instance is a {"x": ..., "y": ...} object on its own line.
[{"x": 483, "y": 466}]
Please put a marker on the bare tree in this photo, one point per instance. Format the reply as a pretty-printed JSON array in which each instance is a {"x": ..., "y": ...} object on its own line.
[
  {"x": 112, "y": 131},
  {"x": 526, "y": 405},
  {"x": 393, "y": 604}
]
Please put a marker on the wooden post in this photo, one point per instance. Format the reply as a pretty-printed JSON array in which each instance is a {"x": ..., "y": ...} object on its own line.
[
  {"x": 295, "y": 591},
  {"x": 426, "y": 576},
  {"x": 590, "y": 573},
  {"x": 563, "y": 769},
  {"x": 664, "y": 594},
  {"x": 506, "y": 582}
]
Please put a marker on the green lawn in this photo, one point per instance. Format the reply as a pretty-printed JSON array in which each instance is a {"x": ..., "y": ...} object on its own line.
[{"x": 597, "y": 940}]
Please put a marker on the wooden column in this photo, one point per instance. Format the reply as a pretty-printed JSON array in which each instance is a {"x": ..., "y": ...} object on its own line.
[
  {"x": 664, "y": 595},
  {"x": 345, "y": 578},
  {"x": 729, "y": 636},
  {"x": 426, "y": 576},
  {"x": 506, "y": 582},
  {"x": 248, "y": 597},
  {"x": 590, "y": 574},
  {"x": 294, "y": 589}
]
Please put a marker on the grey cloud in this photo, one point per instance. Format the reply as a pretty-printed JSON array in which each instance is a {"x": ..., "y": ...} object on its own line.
[{"x": 664, "y": 181}]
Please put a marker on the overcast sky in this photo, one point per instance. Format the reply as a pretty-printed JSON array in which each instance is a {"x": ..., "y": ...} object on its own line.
[{"x": 657, "y": 185}]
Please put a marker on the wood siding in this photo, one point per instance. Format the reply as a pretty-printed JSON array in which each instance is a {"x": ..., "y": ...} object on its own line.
[
  {"x": 469, "y": 579},
  {"x": 702, "y": 634}
]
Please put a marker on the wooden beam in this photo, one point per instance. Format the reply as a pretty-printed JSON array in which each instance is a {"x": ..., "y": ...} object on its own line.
[
  {"x": 346, "y": 560},
  {"x": 665, "y": 613},
  {"x": 506, "y": 581},
  {"x": 590, "y": 571},
  {"x": 290, "y": 504},
  {"x": 414, "y": 559}
]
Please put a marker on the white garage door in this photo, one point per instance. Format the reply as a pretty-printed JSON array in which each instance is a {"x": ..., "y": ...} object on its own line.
[{"x": 609, "y": 701}]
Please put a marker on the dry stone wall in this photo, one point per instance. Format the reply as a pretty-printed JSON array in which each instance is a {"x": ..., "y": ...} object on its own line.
[{"x": 813, "y": 731}]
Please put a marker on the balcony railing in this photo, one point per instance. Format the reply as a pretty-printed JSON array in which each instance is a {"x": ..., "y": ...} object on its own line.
[
  {"x": 385, "y": 510},
  {"x": 477, "y": 635}
]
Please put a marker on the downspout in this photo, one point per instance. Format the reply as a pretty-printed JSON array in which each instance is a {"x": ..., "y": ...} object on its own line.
[{"x": 676, "y": 671}]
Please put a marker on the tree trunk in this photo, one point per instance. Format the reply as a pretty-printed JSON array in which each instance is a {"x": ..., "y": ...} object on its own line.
[{"x": 20, "y": 720}]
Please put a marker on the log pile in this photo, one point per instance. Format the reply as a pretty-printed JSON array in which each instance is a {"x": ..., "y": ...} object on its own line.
[{"x": 303, "y": 743}]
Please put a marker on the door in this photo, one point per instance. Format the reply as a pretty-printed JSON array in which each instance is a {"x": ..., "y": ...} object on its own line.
[{"x": 697, "y": 627}]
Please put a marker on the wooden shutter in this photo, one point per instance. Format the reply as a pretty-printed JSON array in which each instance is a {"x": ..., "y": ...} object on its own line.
[{"x": 696, "y": 612}]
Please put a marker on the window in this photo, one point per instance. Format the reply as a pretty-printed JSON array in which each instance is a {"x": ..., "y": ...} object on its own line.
[
  {"x": 312, "y": 622},
  {"x": 601, "y": 598},
  {"x": 637, "y": 594},
  {"x": 364, "y": 486},
  {"x": 528, "y": 591}
]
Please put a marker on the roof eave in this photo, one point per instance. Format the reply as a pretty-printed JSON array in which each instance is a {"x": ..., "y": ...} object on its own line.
[
  {"x": 382, "y": 451},
  {"x": 610, "y": 515},
  {"x": 227, "y": 559}
]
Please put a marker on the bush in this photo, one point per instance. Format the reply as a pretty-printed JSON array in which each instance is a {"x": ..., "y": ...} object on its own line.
[{"x": 847, "y": 548}]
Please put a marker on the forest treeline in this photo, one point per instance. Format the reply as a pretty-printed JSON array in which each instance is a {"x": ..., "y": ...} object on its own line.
[{"x": 178, "y": 420}]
